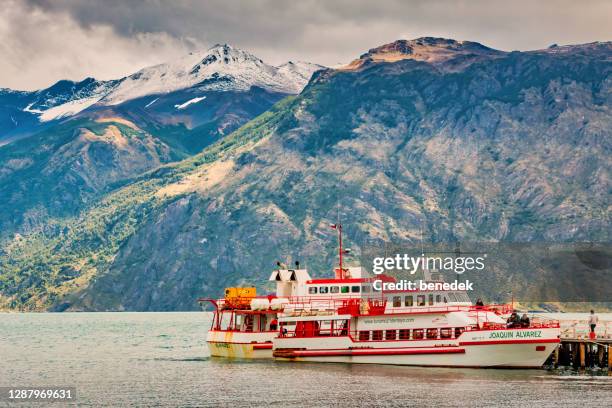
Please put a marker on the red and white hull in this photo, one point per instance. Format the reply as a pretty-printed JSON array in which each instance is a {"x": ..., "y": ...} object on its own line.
[{"x": 526, "y": 348}]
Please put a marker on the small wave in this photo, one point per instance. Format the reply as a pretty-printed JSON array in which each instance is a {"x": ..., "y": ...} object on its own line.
[
  {"x": 591, "y": 379},
  {"x": 182, "y": 359}
]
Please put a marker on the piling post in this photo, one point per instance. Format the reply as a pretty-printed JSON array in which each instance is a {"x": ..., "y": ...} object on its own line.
[
  {"x": 609, "y": 359},
  {"x": 582, "y": 355},
  {"x": 556, "y": 357},
  {"x": 600, "y": 357}
]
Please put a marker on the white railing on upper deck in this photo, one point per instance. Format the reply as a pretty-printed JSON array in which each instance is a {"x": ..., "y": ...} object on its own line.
[{"x": 580, "y": 329}]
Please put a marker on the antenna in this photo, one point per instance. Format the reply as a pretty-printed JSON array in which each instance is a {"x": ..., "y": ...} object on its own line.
[
  {"x": 421, "y": 230},
  {"x": 338, "y": 208}
]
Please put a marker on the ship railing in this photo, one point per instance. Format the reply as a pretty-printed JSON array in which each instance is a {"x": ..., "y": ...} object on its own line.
[
  {"x": 235, "y": 303},
  {"x": 361, "y": 305},
  {"x": 580, "y": 329},
  {"x": 307, "y": 306},
  {"x": 474, "y": 310},
  {"x": 551, "y": 324}
]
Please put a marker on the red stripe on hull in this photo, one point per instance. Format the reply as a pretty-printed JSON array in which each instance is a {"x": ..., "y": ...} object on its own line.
[
  {"x": 368, "y": 352},
  {"x": 265, "y": 346}
]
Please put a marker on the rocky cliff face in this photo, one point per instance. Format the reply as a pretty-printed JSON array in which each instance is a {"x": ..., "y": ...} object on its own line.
[
  {"x": 57, "y": 172},
  {"x": 479, "y": 145},
  {"x": 436, "y": 51}
]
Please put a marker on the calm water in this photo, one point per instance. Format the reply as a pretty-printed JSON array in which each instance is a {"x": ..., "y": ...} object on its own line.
[{"x": 161, "y": 359}]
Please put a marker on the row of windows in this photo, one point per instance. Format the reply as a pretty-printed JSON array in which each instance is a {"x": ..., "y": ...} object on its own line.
[
  {"x": 313, "y": 290},
  {"x": 409, "y": 334},
  {"x": 408, "y": 301},
  {"x": 422, "y": 300}
]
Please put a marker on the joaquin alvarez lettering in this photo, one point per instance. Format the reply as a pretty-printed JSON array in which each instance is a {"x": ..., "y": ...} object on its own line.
[{"x": 515, "y": 334}]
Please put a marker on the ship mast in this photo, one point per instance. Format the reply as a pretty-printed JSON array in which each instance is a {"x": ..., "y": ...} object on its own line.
[{"x": 338, "y": 227}]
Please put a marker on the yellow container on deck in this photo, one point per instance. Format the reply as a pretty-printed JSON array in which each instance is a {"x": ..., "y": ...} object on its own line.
[{"x": 239, "y": 297}]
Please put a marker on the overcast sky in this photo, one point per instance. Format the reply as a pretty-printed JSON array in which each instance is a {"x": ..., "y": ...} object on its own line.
[{"x": 42, "y": 41}]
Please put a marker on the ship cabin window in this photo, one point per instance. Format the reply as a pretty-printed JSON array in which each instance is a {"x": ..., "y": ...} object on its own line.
[
  {"x": 248, "y": 323},
  {"x": 377, "y": 335},
  {"x": 445, "y": 299},
  {"x": 452, "y": 297},
  {"x": 458, "y": 331},
  {"x": 324, "y": 328},
  {"x": 432, "y": 333},
  {"x": 342, "y": 327},
  {"x": 324, "y": 289},
  {"x": 404, "y": 334},
  {"x": 364, "y": 335},
  {"x": 238, "y": 321},
  {"x": 397, "y": 301},
  {"x": 334, "y": 289},
  {"x": 417, "y": 334},
  {"x": 445, "y": 333},
  {"x": 312, "y": 290},
  {"x": 355, "y": 289},
  {"x": 431, "y": 298},
  {"x": 225, "y": 320},
  {"x": 365, "y": 289},
  {"x": 421, "y": 300},
  {"x": 461, "y": 297},
  {"x": 390, "y": 335},
  {"x": 408, "y": 301},
  {"x": 438, "y": 299},
  {"x": 344, "y": 289}
]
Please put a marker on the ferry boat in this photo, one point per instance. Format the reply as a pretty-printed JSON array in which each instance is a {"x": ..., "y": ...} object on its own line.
[
  {"x": 434, "y": 328},
  {"x": 344, "y": 320}
]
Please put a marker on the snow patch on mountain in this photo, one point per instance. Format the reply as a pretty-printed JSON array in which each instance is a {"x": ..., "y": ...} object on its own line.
[
  {"x": 189, "y": 102},
  {"x": 151, "y": 103},
  {"x": 67, "y": 109},
  {"x": 300, "y": 72},
  {"x": 30, "y": 110}
]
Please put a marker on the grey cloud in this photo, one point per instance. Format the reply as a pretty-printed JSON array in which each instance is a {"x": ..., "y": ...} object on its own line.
[{"x": 330, "y": 32}]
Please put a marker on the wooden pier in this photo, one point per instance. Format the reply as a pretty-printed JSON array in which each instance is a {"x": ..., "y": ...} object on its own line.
[{"x": 578, "y": 350}]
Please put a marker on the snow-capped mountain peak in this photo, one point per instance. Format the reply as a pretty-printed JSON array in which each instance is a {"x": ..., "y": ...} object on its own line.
[
  {"x": 220, "y": 68},
  {"x": 226, "y": 54},
  {"x": 299, "y": 69}
]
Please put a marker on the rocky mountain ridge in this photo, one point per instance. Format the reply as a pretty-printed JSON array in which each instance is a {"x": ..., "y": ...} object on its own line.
[
  {"x": 512, "y": 147},
  {"x": 220, "y": 68}
]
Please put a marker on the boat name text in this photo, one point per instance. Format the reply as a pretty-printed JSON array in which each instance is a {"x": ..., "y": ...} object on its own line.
[{"x": 515, "y": 335}]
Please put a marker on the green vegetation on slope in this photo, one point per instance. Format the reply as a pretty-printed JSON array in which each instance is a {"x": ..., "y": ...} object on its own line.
[{"x": 39, "y": 269}]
